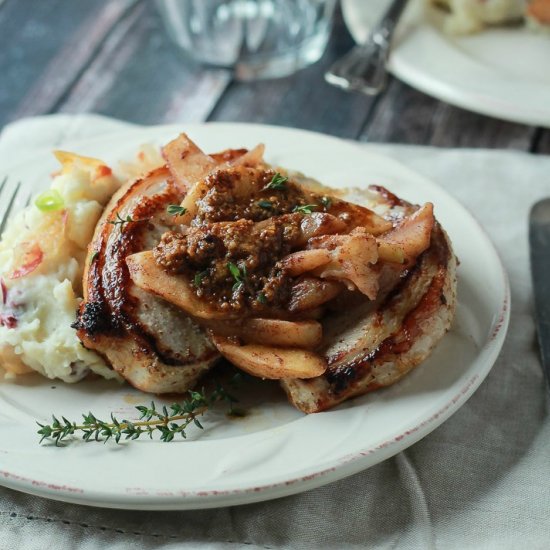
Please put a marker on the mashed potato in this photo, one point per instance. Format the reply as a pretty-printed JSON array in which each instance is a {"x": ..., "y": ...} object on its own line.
[{"x": 42, "y": 254}]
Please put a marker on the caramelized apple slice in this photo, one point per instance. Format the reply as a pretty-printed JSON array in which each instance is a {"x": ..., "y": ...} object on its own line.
[
  {"x": 351, "y": 257},
  {"x": 309, "y": 293},
  {"x": 186, "y": 162},
  {"x": 271, "y": 332},
  {"x": 149, "y": 276},
  {"x": 390, "y": 252},
  {"x": 412, "y": 235},
  {"x": 252, "y": 158},
  {"x": 354, "y": 215},
  {"x": 189, "y": 202},
  {"x": 319, "y": 223},
  {"x": 304, "y": 260},
  {"x": 271, "y": 362}
]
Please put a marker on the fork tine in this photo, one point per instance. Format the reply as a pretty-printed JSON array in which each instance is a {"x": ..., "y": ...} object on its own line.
[
  {"x": 3, "y": 183},
  {"x": 10, "y": 205}
]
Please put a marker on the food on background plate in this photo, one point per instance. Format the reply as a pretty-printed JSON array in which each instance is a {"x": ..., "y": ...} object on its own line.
[
  {"x": 537, "y": 15},
  {"x": 217, "y": 255},
  {"x": 469, "y": 16}
]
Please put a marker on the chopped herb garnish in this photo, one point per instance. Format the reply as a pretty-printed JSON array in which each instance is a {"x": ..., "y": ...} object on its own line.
[
  {"x": 238, "y": 274},
  {"x": 305, "y": 209},
  {"x": 176, "y": 210},
  {"x": 234, "y": 270},
  {"x": 94, "y": 256},
  {"x": 261, "y": 298},
  {"x": 197, "y": 280},
  {"x": 268, "y": 205},
  {"x": 326, "y": 202},
  {"x": 277, "y": 182},
  {"x": 49, "y": 201}
]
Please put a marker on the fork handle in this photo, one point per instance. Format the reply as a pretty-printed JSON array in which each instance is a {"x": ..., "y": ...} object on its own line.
[{"x": 364, "y": 67}]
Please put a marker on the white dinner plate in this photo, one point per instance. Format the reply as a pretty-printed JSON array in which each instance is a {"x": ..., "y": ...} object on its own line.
[
  {"x": 274, "y": 450},
  {"x": 500, "y": 72}
]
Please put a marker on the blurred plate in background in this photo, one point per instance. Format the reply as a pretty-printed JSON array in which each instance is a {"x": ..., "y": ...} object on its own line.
[{"x": 500, "y": 72}]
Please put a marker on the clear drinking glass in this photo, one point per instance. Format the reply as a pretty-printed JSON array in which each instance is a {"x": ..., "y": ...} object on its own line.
[{"x": 256, "y": 38}]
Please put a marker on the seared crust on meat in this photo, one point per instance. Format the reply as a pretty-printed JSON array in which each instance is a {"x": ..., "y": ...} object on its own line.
[
  {"x": 152, "y": 344},
  {"x": 374, "y": 344}
]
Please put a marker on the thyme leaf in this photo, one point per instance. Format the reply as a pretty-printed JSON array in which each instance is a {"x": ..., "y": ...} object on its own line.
[
  {"x": 235, "y": 271},
  {"x": 268, "y": 205},
  {"x": 176, "y": 210},
  {"x": 239, "y": 274},
  {"x": 197, "y": 280},
  {"x": 277, "y": 182},
  {"x": 304, "y": 209}
]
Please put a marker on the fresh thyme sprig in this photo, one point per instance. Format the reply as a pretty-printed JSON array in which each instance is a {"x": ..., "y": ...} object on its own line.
[
  {"x": 168, "y": 421},
  {"x": 277, "y": 182},
  {"x": 122, "y": 221}
]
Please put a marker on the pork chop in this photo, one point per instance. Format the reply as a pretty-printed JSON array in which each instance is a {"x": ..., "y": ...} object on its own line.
[
  {"x": 369, "y": 345},
  {"x": 149, "y": 342}
]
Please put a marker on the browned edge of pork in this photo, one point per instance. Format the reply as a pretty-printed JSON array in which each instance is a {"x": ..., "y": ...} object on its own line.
[
  {"x": 149, "y": 342},
  {"x": 375, "y": 344}
]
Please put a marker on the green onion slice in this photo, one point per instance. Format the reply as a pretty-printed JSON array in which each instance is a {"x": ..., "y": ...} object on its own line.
[{"x": 49, "y": 201}]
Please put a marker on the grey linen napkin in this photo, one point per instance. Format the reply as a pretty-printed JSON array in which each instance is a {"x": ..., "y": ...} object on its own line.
[{"x": 481, "y": 480}]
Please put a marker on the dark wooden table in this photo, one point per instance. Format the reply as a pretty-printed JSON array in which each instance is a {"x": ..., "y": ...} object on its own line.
[{"x": 113, "y": 57}]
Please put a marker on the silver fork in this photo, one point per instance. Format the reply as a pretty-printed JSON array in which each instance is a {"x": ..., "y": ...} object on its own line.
[
  {"x": 363, "y": 69},
  {"x": 8, "y": 199}
]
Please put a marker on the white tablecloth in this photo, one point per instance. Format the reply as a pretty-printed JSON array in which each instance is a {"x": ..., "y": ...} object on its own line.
[{"x": 481, "y": 480}]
